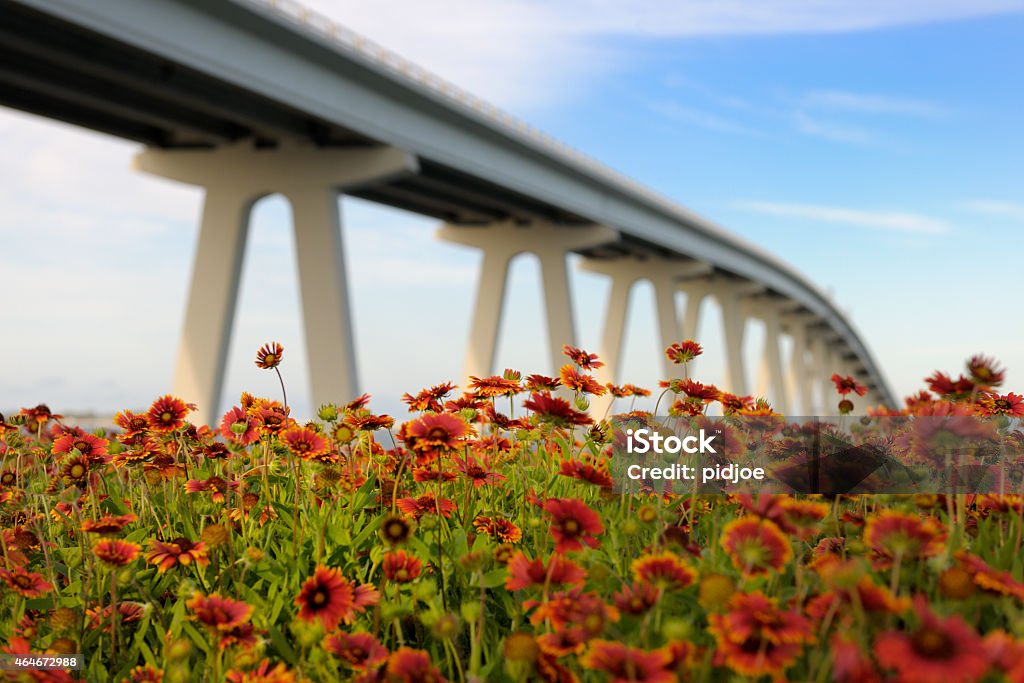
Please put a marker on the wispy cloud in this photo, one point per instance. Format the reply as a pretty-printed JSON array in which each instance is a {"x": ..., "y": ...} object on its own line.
[
  {"x": 1002, "y": 209},
  {"x": 830, "y": 130},
  {"x": 871, "y": 103},
  {"x": 897, "y": 221},
  {"x": 532, "y": 53},
  {"x": 698, "y": 117}
]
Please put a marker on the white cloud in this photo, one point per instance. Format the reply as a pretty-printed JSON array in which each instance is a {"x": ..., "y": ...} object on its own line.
[
  {"x": 1002, "y": 209},
  {"x": 877, "y": 220},
  {"x": 528, "y": 53},
  {"x": 832, "y": 131},
  {"x": 697, "y": 117},
  {"x": 871, "y": 103}
]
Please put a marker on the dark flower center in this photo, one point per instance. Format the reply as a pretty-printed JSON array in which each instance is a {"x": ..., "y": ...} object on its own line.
[
  {"x": 184, "y": 545},
  {"x": 320, "y": 597},
  {"x": 932, "y": 643}
]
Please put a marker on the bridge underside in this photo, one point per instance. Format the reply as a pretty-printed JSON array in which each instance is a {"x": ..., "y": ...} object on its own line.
[{"x": 65, "y": 71}]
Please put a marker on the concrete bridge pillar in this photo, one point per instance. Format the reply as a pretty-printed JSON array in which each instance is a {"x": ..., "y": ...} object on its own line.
[
  {"x": 234, "y": 178},
  {"x": 663, "y": 276},
  {"x": 799, "y": 376},
  {"x": 771, "y": 378},
  {"x": 731, "y": 298},
  {"x": 500, "y": 243},
  {"x": 826, "y": 363}
]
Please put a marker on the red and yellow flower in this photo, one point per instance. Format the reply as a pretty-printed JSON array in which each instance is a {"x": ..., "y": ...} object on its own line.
[
  {"x": 573, "y": 524},
  {"x": 330, "y": 598},
  {"x": 756, "y": 545}
]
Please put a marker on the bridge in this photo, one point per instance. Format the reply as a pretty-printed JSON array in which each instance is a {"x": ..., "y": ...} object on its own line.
[{"x": 246, "y": 98}]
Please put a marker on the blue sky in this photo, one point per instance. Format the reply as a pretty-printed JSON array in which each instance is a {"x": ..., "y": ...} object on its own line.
[{"x": 876, "y": 148}]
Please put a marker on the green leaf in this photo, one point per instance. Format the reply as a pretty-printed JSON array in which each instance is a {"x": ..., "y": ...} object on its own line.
[
  {"x": 495, "y": 578},
  {"x": 282, "y": 646}
]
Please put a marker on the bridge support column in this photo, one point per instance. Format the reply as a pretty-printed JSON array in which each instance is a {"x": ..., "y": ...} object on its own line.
[
  {"x": 234, "y": 179},
  {"x": 730, "y": 296},
  {"x": 696, "y": 291},
  {"x": 664, "y": 277},
  {"x": 799, "y": 376},
  {"x": 624, "y": 273},
  {"x": 500, "y": 243},
  {"x": 771, "y": 379},
  {"x": 825, "y": 366}
]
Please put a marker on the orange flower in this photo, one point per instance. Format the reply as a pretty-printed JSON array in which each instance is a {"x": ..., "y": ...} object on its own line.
[
  {"x": 114, "y": 552},
  {"x": 892, "y": 533},
  {"x": 523, "y": 572},
  {"x": 425, "y": 505},
  {"x": 573, "y": 524},
  {"x": 330, "y": 598},
  {"x": 215, "y": 485},
  {"x": 429, "y": 399},
  {"x": 627, "y": 664},
  {"x": 243, "y": 635},
  {"x": 269, "y": 356},
  {"x": 989, "y": 579},
  {"x": 145, "y": 674},
  {"x": 361, "y": 651},
  {"x": 247, "y": 426},
  {"x": 1007, "y": 404},
  {"x": 755, "y": 545},
  {"x": 264, "y": 673},
  {"x": 92, "y": 448},
  {"x": 756, "y": 638},
  {"x": 400, "y": 567},
  {"x": 407, "y": 665},
  {"x": 580, "y": 382},
  {"x": 435, "y": 433},
  {"x": 476, "y": 473},
  {"x": 706, "y": 393},
  {"x": 305, "y": 443},
  {"x": 365, "y": 421},
  {"x": 271, "y": 417},
  {"x": 107, "y": 525},
  {"x": 218, "y": 613},
  {"x": 665, "y": 570},
  {"x": 985, "y": 371},
  {"x": 179, "y": 551},
  {"x": 938, "y": 650},
  {"x": 496, "y": 385},
  {"x": 132, "y": 424},
  {"x": 39, "y": 415},
  {"x": 864, "y": 592},
  {"x": 802, "y": 515},
  {"x": 167, "y": 413},
  {"x": 500, "y": 528},
  {"x": 553, "y": 410},
  {"x": 731, "y": 403},
  {"x": 583, "y": 613},
  {"x": 684, "y": 351},
  {"x": 542, "y": 383},
  {"x": 25, "y": 583},
  {"x": 637, "y": 599},
  {"x": 581, "y": 358},
  {"x": 587, "y": 471},
  {"x": 847, "y": 384}
]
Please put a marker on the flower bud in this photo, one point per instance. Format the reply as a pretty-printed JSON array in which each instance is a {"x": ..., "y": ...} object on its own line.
[{"x": 328, "y": 412}]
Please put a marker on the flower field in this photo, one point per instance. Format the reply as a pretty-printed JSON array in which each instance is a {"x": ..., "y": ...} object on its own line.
[{"x": 478, "y": 539}]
